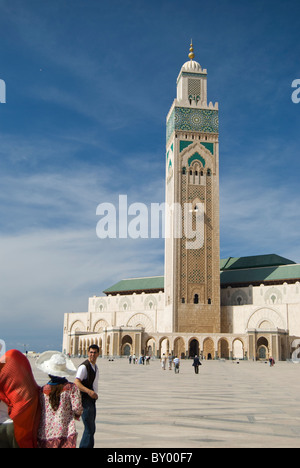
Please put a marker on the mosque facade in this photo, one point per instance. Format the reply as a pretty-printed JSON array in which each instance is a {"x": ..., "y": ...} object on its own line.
[{"x": 234, "y": 308}]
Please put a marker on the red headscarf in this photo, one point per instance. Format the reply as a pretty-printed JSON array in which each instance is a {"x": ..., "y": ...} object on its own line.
[{"x": 19, "y": 390}]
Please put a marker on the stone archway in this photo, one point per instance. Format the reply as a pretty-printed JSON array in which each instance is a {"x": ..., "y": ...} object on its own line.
[
  {"x": 179, "y": 347},
  {"x": 238, "y": 349},
  {"x": 263, "y": 350},
  {"x": 265, "y": 316},
  {"x": 100, "y": 325},
  {"x": 164, "y": 346},
  {"x": 77, "y": 327},
  {"x": 208, "y": 349},
  {"x": 223, "y": 349},
  {"x": 126, "y": 345},
  {"x": 194, "y": 348},
  {"x": 141, "y": 320},
  {"x": 150, "y": 346}
]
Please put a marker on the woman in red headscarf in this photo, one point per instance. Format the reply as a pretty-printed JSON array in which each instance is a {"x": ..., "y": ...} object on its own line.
[{"x": 20, "y": 392}]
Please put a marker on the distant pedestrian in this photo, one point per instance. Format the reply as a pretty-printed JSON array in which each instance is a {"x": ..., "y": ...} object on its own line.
[
  {"x": 271, "y": 362},
  {"x": 176, "y": 364},
  {"x": 196, "y": 364},
  {"x": 170, "y": 361},
  {"x": 163, "y": 362}
]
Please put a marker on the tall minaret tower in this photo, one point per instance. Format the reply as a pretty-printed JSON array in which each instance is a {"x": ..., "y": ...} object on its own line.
[{"x": 192, "y": 251}]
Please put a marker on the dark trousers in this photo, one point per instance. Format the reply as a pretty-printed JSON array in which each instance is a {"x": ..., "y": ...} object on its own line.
[{"x": 89, "y": 421}]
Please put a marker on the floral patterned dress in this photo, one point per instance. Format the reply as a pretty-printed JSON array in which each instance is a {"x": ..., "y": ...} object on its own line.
[{"x": 57, "y": 428}]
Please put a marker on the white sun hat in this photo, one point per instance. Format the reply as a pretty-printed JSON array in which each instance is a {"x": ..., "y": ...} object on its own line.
[{"x": 56, "y": 364}]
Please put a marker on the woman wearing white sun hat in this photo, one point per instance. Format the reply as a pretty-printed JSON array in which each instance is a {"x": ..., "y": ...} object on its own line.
[{"x": 60, "y": 401}]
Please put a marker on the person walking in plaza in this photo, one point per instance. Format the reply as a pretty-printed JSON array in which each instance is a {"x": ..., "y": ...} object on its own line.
[
  {"x": 60, "y": 402},
  {"x": 163, "y": 362},
  {"x": 176, "y": 364},
  {"x": 271, "y": 362},
  {"x": 196, "y": 364},
  {"x": 87, "y": 381}
]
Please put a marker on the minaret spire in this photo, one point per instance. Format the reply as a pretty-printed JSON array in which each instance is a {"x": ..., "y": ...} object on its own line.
[
  {"x": 191, "y": 54},
  {"x": 192, "y": 250}
]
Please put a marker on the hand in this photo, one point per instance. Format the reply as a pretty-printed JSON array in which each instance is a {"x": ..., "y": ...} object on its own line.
[{"x": 93, "y": 394}]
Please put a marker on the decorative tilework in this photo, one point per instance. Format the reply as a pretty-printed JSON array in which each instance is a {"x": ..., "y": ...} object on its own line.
[
  {"x": 195, "y": 75},
  {"x": 171, "y": 124},
  {"x": 195, "y": 120},
  {"x": 196, "y": 156},
  {"x": 199, "y": 120},
  {"x": 185, "y": 143},
  {"x": 209, "y": 146}
]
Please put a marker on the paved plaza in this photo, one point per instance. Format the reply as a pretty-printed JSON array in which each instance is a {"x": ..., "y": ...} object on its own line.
[{"x": 234, "y": 405}]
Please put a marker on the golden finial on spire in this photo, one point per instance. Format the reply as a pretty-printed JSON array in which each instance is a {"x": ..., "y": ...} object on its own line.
[{"x": 191, "y": 54}]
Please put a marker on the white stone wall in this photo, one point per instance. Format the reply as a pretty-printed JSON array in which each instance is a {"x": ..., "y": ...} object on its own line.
[
  {"x": 145, "y": 310},
  {"x": 262, "y": 295},
  {"x": 262, "y": 307}
]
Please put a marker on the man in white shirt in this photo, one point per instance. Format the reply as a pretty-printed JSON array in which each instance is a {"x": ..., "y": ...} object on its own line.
[
  {"x": 87, "y": 378},
  {"x": 176, "y": 364}
]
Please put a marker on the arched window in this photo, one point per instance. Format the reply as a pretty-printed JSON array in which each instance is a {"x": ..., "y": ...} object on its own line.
[{"x": 196, "y": 299}]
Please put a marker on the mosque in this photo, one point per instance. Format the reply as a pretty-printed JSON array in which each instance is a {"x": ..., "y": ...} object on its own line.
[{"x": 233, "y": 308}]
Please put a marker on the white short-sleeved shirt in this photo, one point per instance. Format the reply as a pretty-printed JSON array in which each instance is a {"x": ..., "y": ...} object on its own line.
[{"x": 82, "y": 375}]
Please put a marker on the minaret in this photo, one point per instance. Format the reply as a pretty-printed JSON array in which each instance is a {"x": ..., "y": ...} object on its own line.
[{"x": 192, "y": 252}]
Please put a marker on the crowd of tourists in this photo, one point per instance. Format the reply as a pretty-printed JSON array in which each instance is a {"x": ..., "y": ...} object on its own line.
[{"x": 44, "y": 417}]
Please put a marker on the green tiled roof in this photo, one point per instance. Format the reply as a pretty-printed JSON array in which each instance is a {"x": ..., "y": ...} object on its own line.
[
  {"x": 256, "y": 261},
  {"x": 151, "y": 284},
  {"x": 234, "y": 271},
  {"x": 260, "y": 275}
]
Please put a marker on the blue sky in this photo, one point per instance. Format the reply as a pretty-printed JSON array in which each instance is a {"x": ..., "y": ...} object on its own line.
[{"x": 88, "y": 87}]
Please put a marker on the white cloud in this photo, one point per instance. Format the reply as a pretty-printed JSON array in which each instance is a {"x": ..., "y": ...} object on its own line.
[
  {"x": 51, "y": 258},
  {"x": 49, "y": 272}
]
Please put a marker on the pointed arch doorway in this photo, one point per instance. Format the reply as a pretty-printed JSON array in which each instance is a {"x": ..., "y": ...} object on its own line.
[
  {"x": 194, "y": 348},
  {"x": 126, "y": 346},
  {"x": 263, "y": 350}
]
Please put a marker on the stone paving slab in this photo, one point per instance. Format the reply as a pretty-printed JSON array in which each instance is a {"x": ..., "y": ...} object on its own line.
[{"x": 246, "y": 405}]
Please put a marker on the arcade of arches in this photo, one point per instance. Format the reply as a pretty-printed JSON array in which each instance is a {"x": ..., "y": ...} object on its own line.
[{"x": 125, "y": 342}]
